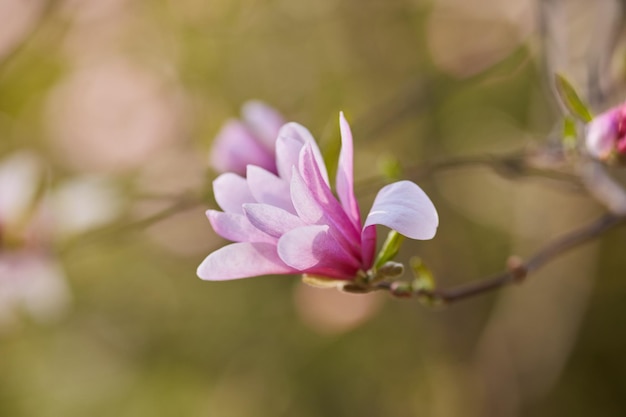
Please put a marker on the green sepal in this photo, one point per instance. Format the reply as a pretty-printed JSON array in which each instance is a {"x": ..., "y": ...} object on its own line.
[
  {"x": 390, "y": 248},
  {"x": 571, "y": 100}
]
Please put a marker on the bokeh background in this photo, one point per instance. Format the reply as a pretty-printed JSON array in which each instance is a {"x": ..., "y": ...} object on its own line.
[{"x": 133, "y": 92}]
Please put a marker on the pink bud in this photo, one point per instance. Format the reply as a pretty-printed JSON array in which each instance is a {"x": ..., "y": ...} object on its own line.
[{"x": 606, "y": 134}]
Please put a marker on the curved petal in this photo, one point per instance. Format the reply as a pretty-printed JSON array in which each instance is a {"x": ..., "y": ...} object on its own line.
[
  {"x": 291, "y": 139},
  {"x": 235, "y": 147},
  {"x": 404, "y": 207},
  {"x": 231, "y": 192},
  {"x": 345, "y": 174},
  {"x": 242, "y": 260},
  {"x": 321, "y": 192},
  {"x": 267, "y": 188},
  {"x": 264, "y": 121},
  {"x": 313, "y": 249},
  {"x": 236, "y": 227},
  {"x": 271, "y": 220},
  {"x": 312, "y": 212}
]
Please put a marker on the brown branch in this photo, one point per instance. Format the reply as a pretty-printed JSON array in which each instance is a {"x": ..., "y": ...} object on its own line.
[{"x": 517, "y": 269}]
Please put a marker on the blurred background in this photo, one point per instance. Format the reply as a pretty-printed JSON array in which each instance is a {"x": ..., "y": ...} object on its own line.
[{"x": 107, "y": 114}]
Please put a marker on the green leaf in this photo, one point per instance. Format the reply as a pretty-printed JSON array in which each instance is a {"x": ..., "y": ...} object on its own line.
[
  {"x": 390, "y": 248},
  {"x": 571, "y": 100}
]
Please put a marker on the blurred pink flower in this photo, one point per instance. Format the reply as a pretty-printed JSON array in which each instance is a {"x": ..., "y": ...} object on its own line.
[
  {"x": 292, "y": 223},
  {"x": 31, "y": 221},
  {"x": 112, "y": 115},
  {"x": 606, "y": 134},
  {"x": 250, "y": 141}
]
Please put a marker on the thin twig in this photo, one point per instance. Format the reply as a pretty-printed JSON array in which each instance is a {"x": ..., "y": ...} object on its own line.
[
  {"x": 510, "y": 165},
  {"x": 517, "y": 269}
]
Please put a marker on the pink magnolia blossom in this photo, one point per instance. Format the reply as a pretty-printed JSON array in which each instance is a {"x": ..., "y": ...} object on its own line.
[
  {"x": 606, "y": 134},
  {"x": 31, "y": 222},
  {"x": 250, "y": 141},
  {"x": 292, "y": 222}
]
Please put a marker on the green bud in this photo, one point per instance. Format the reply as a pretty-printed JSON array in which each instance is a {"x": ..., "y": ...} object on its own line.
[
  {"x": 390, "y": 270},
  {"x": 390, "y": 248},
  {"x": 424, "y": 283}
]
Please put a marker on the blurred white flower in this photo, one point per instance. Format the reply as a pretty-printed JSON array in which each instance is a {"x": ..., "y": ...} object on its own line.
[{"x": 32, "y": 219}]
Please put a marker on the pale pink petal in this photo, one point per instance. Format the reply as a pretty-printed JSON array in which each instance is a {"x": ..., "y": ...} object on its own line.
[
  {"x": 271, "y": 220},
  {"x": 345, "y": 175},
  {"x": 235, "y": 147},
  {"x": 291, "y": 139},
  {"x": 236, "y": 227},
  {"x": 287, "y": 154},
  {"x": 320, "y": 191},
  {"x": 267, "y": 188},
  {"x": 242, "y": 260},
  {"x": 264, "y": 121},
  {"x": 602, "y": 134},
  {"x": 404, "y": 207},
  {"x": 231, "y": 192},
  {"x": 312, "y": 249},
  {"x": 310, "y": 210},
  {"x": 19, "y": 178},
  {"x": 306, "y": 206}
]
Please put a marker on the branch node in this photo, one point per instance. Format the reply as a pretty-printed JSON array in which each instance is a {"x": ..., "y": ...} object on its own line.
[{"x": 517, "y": 268}]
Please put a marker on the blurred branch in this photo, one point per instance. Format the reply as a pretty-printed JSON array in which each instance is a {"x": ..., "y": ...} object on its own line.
[
  {"x": 184, "y": 203},
  {"x": 517, "y": 270},
  {"x": 511, "y": 165}
]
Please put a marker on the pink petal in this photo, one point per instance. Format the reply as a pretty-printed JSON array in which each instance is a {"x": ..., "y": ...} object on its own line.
[
  {"x": 269, "y": 189},
  {"x": 368, "y": 246},
  {"x": 242, "y": 260},
  {"x": 235, "y": 147},
  {"x": 320, "y": 191},
  {"x": 19, "y": 178},
  {"x": 236, "y": 227},
  {"x": 312, "y": 249},
  {"x": 602, "y": 134},
  {"x": 312, "y": 212},
  {"x": 271, "y": 220},
  {"x": 291, "y": 139},
  {"x": 231, "y": 192},
  {"x": 264, "y": 121},
  {"x": 404, "y": 207},
  {"x": 345, "y": 175}
]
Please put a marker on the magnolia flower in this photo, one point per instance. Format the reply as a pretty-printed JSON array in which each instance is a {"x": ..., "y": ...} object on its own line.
[
  {"x": 606, "y": 134},
  {"x": 248, "y": 142},
  {"x": 31, "y": 222},
  {"x": 292, "y": 222}
]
